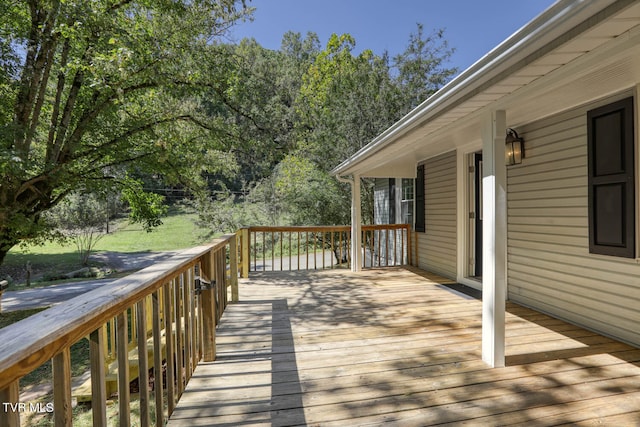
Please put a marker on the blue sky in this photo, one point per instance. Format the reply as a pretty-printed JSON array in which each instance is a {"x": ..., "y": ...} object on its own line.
[{"x": 472, "y": 27}]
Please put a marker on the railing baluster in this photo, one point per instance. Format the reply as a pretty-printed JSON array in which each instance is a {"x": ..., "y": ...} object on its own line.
[
  {"x": 298, "y": 250},
  {"x": 157, "y": 358},
  {"x": 112, "y": 339},
  {"x": 323, "y": 249},
  {"x": 199, "y": 320},
  {"x": 395, "y": 246},
  {"x": 378, "y": 237},
  {"x": 98, "y": 387},
  {"x": 188, "y": 346},
  {"x": 333, "y": 248},
  {"x": 255, "y": 251},
  {"x": 123, "y": 369},
  {"x": 233, "y": 267},
  {"x": 10, "y": 417},
  {"x": 169, "y": 345},
  {"x": 245, "y": 252},
  {"x": 62, "y": 413},
  {"x": 290, "y": 248},
  {"x": 143, "y": 364},
  {"x": 221, "y": 279},
  {"x": 177, "y": 294},
  {"x": 387, "y": 249}
]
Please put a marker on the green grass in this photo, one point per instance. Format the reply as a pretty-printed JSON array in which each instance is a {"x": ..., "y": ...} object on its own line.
[{"x": 178, "y": 231}]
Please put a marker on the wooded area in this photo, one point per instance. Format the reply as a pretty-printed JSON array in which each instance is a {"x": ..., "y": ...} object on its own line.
[{"x": 145, "y": 99}]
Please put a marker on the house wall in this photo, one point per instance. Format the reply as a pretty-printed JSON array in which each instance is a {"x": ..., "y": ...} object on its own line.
[
  {"x": 437, "y": 246},
  {"x": 549, "y": 264}
]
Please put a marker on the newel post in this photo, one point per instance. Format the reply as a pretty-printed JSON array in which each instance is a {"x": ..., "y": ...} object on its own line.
[{"x": 208, "y": 299}]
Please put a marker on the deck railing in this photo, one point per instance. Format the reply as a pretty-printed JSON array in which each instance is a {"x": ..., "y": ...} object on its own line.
[
  {"x": 162, "y": 319},
  {"x": 166, "y": 313},
  {"x": 321, "y": 247}
]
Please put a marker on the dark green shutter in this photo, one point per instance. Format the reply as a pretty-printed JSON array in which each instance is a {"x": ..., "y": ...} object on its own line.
[
  {"x": 419, "y": 214},
  {"x": 611, "y": 179}
]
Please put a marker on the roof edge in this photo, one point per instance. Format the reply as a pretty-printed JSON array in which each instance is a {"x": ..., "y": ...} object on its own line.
[{"x": 549, "y": 25}]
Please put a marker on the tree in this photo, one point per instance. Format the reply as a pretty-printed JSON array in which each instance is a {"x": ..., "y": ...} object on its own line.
[
  {"x": 89, "y": 87},
  {"x": 309, "y": 193},
  {"x": 421, "y": 67},
  {"x": 80, "y": 218},
  {"x": 265, "y": 86}
]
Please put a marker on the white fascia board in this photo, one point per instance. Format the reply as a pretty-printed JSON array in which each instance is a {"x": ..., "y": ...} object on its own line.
[{"x": 521, "y": 48}]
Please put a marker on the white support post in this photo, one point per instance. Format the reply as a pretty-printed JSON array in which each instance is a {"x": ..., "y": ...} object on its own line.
[
  {"x": 356, "y": 226},
  {"x": 494, "y": 236}
]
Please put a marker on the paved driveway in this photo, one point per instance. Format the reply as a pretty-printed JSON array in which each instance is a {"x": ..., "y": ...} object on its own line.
[{"x": 54, "y": 294}]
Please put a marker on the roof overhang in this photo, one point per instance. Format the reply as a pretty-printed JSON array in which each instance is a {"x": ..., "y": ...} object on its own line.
[{"x": 549, "y": 65}]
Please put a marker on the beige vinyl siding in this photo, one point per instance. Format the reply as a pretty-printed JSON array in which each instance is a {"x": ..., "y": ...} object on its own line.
[
  {"x": 549, "y": 264},
  {"x": 437, "y": 250}
]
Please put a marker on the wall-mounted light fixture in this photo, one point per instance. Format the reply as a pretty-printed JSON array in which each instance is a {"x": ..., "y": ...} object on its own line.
[{"x": 514, "y": 148}]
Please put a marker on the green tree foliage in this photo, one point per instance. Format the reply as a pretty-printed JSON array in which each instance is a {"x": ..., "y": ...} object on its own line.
[
  {"x": 264, "y": 87},
  {"x": 81, "y": 218},
  {"x": 145, "y": 208},
  {"x": 344, "y": 102},
  {"x": 89, "y": 87},
  {"x": 309, "y": 193},
  {"x": 421, "y": 67},
  {"x": 302, "y": 110}
]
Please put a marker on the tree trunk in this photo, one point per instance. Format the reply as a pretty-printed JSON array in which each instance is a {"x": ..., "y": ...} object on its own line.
[{"x": 5, "y": 247}]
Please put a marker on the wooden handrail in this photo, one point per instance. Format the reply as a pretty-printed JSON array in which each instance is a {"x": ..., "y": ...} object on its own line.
[
  {"x": 281, "y": 248},
  {"x": 49, "y": 334}
]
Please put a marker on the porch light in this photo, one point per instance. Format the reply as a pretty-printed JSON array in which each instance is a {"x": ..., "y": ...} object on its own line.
[{"x": 514, "y": 148}]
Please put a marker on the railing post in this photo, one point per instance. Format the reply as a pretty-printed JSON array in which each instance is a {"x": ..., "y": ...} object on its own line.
[
  {"x": 9, "y": 414},
  {"x": 233, "y": 267},
  {"x": 208, "y": 310},
  {"x": 98, "y": 387},
  {"x": 246, "y": 252},
  {"x": 62, "y": 388}
]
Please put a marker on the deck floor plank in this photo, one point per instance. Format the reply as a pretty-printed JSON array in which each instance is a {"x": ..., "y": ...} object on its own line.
[{"x": 395, "y": 346}]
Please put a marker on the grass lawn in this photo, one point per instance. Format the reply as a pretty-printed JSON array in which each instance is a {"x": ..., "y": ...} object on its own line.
[{"x": 178, "y": 231}]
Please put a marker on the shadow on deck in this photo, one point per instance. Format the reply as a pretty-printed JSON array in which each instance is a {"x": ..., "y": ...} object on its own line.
[{"x": 397, "y": 346}]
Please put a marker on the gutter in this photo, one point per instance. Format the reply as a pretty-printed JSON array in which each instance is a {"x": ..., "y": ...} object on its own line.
[{"x": 559, "y": 23}]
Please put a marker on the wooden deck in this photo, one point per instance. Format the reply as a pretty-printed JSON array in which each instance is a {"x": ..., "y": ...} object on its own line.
[{"x": 396, "y": 347}]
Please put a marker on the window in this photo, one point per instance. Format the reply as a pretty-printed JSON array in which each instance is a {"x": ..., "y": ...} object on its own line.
[
  {"x": 611, "y": 179},
  {"x": 406, "y": 203},
  {"x": 419, "y": 192}
]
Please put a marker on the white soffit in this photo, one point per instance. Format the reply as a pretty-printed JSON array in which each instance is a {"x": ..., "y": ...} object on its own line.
[{"x": 424, "y": 133}]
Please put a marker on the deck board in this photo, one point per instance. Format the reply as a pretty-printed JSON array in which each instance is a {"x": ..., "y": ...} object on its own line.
[{"x": 394, "y": 346}]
